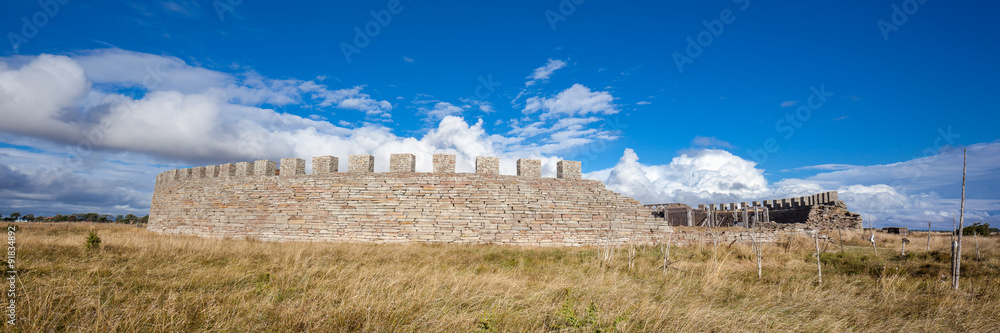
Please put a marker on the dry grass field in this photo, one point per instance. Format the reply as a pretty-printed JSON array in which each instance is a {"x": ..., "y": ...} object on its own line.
[{"x": 142, "y": 281}]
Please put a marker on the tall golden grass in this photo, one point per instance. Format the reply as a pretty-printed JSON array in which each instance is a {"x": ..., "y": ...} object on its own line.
[{"x": 143, "y": 281}]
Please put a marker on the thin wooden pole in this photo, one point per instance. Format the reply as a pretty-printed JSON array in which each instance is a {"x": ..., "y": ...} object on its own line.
[
  {"x": 631, "y": 252},
  {"x": 954, "y": 226},
  {"x": 819, "y": 265},
  {"x": 746, "y": 216},
  {"x": 976, "y": 235},
  {"x": 961, "y": 225},
  {"x": 760, "y": 267},
  {"x": 666, "y": 252},
  {"x": 757, "y": 250},
  {"x": 841, "y": 236},
  {"x": 664, "y": 249},
  {"x": 670, "y": 238},
  {"x": 871, "y": 225},
  {"x": 928, "y": 236},
  {"x": 954, "y": 246},
  {"x": 715, "y": 240}
]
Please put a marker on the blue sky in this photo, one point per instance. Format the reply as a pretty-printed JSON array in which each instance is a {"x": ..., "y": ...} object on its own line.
[{"x": 664, "y": 101}]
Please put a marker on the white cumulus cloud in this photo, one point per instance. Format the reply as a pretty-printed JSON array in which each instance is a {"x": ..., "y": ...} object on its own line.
[
  {"x": 441, "y": 110},
  {"x": 543, "y": 73},
  {"x": 709, "y": 176},
  {"x": 577, "y": 100}
]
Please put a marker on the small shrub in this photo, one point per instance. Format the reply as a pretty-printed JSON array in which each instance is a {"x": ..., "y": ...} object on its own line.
[
  {"x": 93, "y": 241},
  {"x": 262, "y": 283},
  {"x": 488, "y": 323},
  {"x": 567, "y": 317}
]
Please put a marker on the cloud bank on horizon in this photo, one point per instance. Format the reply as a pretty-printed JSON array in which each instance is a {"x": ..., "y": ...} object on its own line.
[
  {"x": 89, "y": 131},
  {"x": 905, "y": 193}
]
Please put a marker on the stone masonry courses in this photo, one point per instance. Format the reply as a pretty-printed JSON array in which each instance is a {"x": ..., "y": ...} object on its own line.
[{"x": 267, "y": 201}]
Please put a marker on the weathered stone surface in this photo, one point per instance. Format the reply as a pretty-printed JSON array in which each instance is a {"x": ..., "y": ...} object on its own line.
[
  {"x": 244, "y": 169},
  {"x": 292, "y": 167},
  {"x": 325, "y": 165},
  {"x": 487, "y": 165},
  {"x": 402, "y": 163},
  {"x": 361, "y": 164},
  {"x": 444, "y": 163},
  {"x": 168, "y": 176},
  {"x": 197, "y": 172},
  {"x": 212, "y": 171},
  {"x": 833, "y": 215},
  {"x": 227, "y": 170},
  {"x": 529, "y": 168},
  {"x": 689, "y": 236},
  {"x": 264, "y": 168},
  {"x": 568, "y": 170}
]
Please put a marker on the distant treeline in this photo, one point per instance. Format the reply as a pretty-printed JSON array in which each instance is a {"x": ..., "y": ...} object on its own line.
[
  {"x": 78, "y": 217},
  {"x": 978, "y": 228}
]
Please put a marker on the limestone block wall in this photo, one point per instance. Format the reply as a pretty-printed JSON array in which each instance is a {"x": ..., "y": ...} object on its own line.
[
  {"x": 830, "y": 197},
  {"x": 822, "y": 216},
  {"x": 818, "y": 211},
  {"x": 690, "y": 237},
  {"x": 399, "y": 206}
]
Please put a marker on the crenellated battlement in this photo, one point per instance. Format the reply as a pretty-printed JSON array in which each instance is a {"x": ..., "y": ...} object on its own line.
[
  {"x": 812, "y": 200},
  {"x": 817, "y": 210},
  {"x": 271, "y": 201},
  {"x": 830, "y": 197},
  {"x": 361, "y": 164}
]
